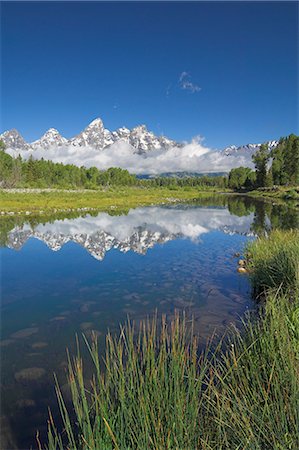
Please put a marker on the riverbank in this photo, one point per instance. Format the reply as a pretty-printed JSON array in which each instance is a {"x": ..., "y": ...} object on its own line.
[
  {"x": 49, "y": 201},
  {"x": 276, "y": 192},
  {"x": 31, "y": 201},
  {"x": 157, "y": 392}
]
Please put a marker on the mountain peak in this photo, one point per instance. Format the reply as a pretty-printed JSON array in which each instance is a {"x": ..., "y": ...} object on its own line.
[
  {"x": 96, "y": 123},
  {"x": 52, "y": 131},
  {"x": 12, "y": 132},
  {"x": 51, "y": 138},
  {"x": 140, "y": 129},
  {"x": 13, "y": 139}
]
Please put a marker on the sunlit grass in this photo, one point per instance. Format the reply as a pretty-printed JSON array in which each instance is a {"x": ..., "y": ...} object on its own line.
[
  {"x": 274, "y": 261},
  {"x": 127, "y": 197},
  {"x": 156, "y": 392}
]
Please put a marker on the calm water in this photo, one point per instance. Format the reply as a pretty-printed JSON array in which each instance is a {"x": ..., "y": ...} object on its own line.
[{"x": 70, "y": 275}]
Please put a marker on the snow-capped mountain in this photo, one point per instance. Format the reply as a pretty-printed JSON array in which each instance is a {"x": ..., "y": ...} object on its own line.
[
  {"x": 52, "y": 138},
  {"x": 138, "y": 150},
  {"x": 13, "y": 139},
  {"x": 95, "y": 135},
  {"x": 246, "y": 150}
]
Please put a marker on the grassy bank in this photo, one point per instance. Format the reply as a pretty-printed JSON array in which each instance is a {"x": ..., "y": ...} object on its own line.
[
  {"x": 274, "y": 262},
  {"x": 277, "y": 192},
  {"x": 156, "y": 392},
  {"x": 47, "y": 201}
]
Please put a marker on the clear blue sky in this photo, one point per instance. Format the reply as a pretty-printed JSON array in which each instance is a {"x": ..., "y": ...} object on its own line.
[{"x": 64, "y": 64}]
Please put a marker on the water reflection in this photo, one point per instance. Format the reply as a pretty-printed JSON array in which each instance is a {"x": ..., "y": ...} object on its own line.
[
  {"x": 138, "y": 231},
  {"x": 152, "y": 259},
  {"x": 142, "y": 228}
]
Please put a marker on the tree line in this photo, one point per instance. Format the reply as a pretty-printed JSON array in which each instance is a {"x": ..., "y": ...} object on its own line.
[
  {"x": 276, "y": 167},
  {"x": 279, "y": 166}
]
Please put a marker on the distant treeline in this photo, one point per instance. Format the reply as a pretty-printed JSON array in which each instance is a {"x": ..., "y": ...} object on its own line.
[
  {"x": 279, "y": 167},
  {"x": 40, "y": 173}
]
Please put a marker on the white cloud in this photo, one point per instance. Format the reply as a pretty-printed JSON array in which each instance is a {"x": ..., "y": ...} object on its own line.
[
  {"x": 186, "y": 83},
  {"x": 168, "y": 90},
  {"x": 192, "y": 157}
]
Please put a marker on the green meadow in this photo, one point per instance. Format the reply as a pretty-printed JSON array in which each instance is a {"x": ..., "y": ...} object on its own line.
[{"x": 47, "y": 201}]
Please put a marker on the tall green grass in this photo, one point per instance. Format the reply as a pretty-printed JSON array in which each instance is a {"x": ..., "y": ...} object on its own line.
[
  {"x": 154, "y": 390},
  {"x": 274, "y": 262}
]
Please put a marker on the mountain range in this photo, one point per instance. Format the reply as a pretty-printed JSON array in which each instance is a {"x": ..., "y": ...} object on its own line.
[
  {"x": 95, "y": 135},
  {"x": 138, "y": 150}
]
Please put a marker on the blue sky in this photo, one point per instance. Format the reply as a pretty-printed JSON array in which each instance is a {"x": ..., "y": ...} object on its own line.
[{"x": 227, "y": 71}]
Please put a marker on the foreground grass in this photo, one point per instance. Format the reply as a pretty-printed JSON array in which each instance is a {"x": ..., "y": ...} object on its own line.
[
  {"x": 116, "y": 198},
  {"x": 274, "y": 262},
  {"x": 155, "y": 391}
]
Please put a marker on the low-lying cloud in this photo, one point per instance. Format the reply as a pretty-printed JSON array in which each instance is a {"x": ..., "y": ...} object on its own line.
[{"x": 192, "y": 157}]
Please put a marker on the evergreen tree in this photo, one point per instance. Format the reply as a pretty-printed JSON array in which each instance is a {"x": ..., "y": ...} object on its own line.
[
  {"x": 278, "y": 173},
  {"x": 294, "y": 167},
  {"x": 260, "y": 159}
]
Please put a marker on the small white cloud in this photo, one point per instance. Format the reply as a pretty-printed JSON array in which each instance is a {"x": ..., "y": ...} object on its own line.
[
  {"x": 168, "y": 90},
  {"x": 183, "y": 75},
  {"x": 185, "y": 83}
]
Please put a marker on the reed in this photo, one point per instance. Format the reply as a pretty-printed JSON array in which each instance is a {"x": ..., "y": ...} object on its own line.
[
  {"x": 154, "y": 390},
  {"x": 157, "y": 392},
  {"x": 274, "y": 262}
]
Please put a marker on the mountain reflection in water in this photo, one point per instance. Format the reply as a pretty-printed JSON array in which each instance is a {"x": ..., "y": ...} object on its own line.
[
  {"x": 138, "y": 231},
  {"x": 181, "y": 258}
]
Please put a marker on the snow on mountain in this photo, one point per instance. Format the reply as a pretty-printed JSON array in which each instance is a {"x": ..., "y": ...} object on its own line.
[
  {"x": 13, "y": 139},
  {"x": 138, "y": 150},
  {"x": 52, "y": 138},
  {"x": 246, "y": 150},
  {"x": 95, "y": 136}
]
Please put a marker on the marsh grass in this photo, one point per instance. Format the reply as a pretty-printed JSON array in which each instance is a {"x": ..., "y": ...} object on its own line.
[
  {"x": 20, "y": 201},
  {"x": 157, "y": 392},
  {"x": 274, "y": 262},
  {"x": 154, "y": 390}
]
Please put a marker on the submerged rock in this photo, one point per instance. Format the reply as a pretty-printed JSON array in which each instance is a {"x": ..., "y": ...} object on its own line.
[
  {"x": 86, "y": 325},
  {"x": 57, "y": 319},
  {"x": 26, "y": 403},
  {"x": 24, "y": 333},
  {"x": 85, "y": 307},
  {"x": 30, "y": 374},
  {"x": 39, "y": 345},
  {"x": 6, "y": 342},
  {"x": 242, "y": 270}
]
